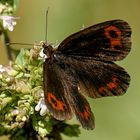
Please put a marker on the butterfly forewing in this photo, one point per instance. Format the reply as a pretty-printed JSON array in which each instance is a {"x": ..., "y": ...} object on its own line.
[
  {"x": 54, "y": 93},
  {"x": 108, "y": 41}
]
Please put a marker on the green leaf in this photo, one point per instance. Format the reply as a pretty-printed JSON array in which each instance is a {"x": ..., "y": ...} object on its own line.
[
  {"x": 20, "y": 60},
  {"x": 71, "y": 130}
]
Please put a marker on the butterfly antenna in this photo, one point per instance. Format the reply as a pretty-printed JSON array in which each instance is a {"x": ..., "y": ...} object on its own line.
[
  {"x": 26, "y": 44},
  {"x": 46, "y": 24}
]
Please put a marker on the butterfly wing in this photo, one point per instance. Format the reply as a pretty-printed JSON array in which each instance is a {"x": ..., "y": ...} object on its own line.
[
  {"x": 54, "y": 92},
  {"x": 108, "y": 41},
  {"x": 100, "y": 78},
  {"x": 61, "y": 91},
  {"x": 90, "y": 52},
  {"x": 76, "y": 100}
]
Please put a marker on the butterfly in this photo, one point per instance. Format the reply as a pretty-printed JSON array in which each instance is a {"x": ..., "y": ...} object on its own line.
[{"x": 83, "y": 64}]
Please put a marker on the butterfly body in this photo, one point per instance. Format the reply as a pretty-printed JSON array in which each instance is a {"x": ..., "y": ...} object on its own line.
[{"x": 82, "y": 65}]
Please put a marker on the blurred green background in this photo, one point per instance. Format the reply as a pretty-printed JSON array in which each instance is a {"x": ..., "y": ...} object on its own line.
[{"x": 117, "y": 118}]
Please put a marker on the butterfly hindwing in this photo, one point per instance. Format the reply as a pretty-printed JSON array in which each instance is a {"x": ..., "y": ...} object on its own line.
[
  {"x": 100, "y": 78},
  {"x": 54, "y": 93},
  {"x": 79, "y": 105},
  {"x": 81, "y": 109},
  {"x": 107, "y": 41}
]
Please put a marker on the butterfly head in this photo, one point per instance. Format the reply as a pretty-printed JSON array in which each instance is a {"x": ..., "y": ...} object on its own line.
[{"x": 47, "y": 49}]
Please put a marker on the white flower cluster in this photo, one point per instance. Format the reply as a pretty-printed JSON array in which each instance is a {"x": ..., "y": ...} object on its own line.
[
  {"x": 41, "y": 106},
  {"x": 9, "y": 22}
]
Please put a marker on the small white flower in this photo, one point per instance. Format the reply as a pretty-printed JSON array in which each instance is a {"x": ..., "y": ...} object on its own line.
[
  {"x": 2, "y": 69},
  {"x": 24, "y": 118},
  {"x": 41, "y": 106},
  {"x": 9, "y": 22},
  {"x": 42, "y": 55}
]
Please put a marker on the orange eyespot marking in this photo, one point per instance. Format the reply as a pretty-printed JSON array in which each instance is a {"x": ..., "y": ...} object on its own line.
[
  {"x": 114, "y": 83},
  {"x": 86, "y": 113},
  {"x": 56, "y": 104},
  {"x": 111, "y": 85},
  {"x": 114, "y": 35}
]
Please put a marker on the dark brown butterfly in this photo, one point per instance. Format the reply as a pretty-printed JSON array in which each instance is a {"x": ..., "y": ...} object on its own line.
[{"x": 82, "y": 64}]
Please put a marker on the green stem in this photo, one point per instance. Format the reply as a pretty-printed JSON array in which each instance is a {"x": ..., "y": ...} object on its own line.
[{"x": 7, "y": 42}]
